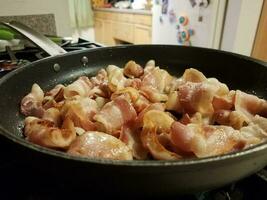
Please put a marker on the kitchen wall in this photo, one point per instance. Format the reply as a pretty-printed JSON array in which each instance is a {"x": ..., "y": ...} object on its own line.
[
  {"x": 58, "y": 7},
  {"x": 230, "y": 26}
]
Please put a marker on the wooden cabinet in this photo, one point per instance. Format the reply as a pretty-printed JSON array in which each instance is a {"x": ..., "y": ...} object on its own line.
[
  {"x": 107, "y": 33},
  {"x": 123, "y": 31},
  {"x": 113, "y": 28},
  {"x": 142, "y": 34},
  {"x": 99, "y": 30},
  {"x": 143, "y": 20}
]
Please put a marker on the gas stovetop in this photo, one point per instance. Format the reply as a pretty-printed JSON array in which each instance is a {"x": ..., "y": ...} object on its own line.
[
  {"x": 16, "y": 181},
  {"x": 12, "y": 59}
]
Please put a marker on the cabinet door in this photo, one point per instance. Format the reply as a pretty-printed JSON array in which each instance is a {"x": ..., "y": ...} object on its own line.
[
  {"x": 123, "y": 31},
  {"x": 142, "y": 34},
  {"x": 99, "y": 31},
  {"x": 143, "y": 19},
  {"x": 108, "y": 37}
]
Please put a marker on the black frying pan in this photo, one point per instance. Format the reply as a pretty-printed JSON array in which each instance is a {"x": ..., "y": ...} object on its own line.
[{"x": 131, "y": 177}]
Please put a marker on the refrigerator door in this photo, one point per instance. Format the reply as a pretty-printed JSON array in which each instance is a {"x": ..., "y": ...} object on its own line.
[{"x": 203, "y": 27}]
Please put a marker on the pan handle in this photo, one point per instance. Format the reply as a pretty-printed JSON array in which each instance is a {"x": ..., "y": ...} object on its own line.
[{"x": 35, "y": 37}]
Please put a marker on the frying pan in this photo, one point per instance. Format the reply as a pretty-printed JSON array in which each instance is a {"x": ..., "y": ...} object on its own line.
[{"x": 130, "y": 177}]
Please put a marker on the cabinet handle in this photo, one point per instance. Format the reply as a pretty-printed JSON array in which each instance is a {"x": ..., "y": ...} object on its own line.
[{"x": 143, "y": 28}]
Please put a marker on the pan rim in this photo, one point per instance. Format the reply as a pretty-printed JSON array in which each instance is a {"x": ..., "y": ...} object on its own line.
[
  {"x": 10, "y": 74},
  {"x": 134, "y": 163}
]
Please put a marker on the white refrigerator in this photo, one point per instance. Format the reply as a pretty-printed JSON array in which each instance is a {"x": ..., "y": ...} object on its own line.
[{"x": 188, "y": 22}]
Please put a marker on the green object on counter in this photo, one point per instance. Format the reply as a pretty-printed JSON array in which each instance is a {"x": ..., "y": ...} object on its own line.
[
  {"x": 57, "y": 40},
  {"x": 3, "y": 27},
  {"x": 6, "y": 35}
]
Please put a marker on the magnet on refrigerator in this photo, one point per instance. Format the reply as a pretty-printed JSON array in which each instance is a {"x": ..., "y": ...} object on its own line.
[{"x": 165, "y": 4}]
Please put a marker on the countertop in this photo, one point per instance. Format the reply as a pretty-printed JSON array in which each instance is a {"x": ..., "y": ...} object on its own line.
[{"x": 133, "y": 11}]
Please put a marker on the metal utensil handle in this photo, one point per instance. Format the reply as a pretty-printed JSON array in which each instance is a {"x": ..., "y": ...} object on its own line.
[{"x": 37, "y": 38}]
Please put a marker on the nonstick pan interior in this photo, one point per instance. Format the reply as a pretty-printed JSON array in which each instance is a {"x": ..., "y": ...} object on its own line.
[{"x": 236, "y": 71}]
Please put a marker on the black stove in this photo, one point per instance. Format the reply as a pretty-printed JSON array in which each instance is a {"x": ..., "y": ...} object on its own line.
[
  {"x": 15, "y": 184},
  {"x": 10, "y": 60}
]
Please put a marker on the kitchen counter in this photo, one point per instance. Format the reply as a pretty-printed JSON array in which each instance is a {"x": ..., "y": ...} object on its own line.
[{"x": 132, "y": 11}]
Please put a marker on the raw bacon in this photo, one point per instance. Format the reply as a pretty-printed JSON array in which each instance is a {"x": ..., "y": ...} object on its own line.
[
  {"x": 155, "y": 84},
  {"x": 157, "y": 121},
  {"x": 80, "y": 87},
  {"x": 133, "y": 70},
  {"x": 53, "y": 97},
  {"x": 143, "y": 112},
  {"x": 205, "y": 140},
  {"x": 53, "y": 115},
  {"x": 198, "y": 97},
  {"x": 81, "y": 111},
  {"x": 249, "y": 104},
  {"x": 31, "y": 104},
  {"x": 137, "y": 99},
  {"x": 116, "y": 78},
  {"x": 114, "y": 115},
  {"x": 130, "y": 135},
  {"x": 94, "y": 144},
  {"x": 44, "y": 133}
]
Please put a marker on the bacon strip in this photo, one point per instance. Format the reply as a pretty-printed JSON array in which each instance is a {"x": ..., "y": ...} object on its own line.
[
  {"x": 114, "y": 115},
  {"x": 155, "y": 84},
  {"x": 173, "y": 102},
  {"x": 193, "y": 75},
  {"x": 157, "y": 78},
  {"x": 157, "y": 121},
  {"x": 80, "y": 87},
  {"x": 182, "y": 136},
  {"x": 53, "y": 115},
  {"x": 198, "y": 97},
  {"x": 100, "y": 85},
  {"x": 100, "y": 78},
  {"x": 154, "y": 106},
  {"x": 196, "y": 118},
  {"x": 54, "y": 96},
  {"x": 100, "y": 145},
  {"x": 255, "y": 132},
  {"x": 224, "y": 102},
  {"x": 250, "y": 105},
  {"x": 130, "y": 135},
  {"x": 31, "y": 104},
  {"x": 81, "y": 111},
  {"x": 153, "y": 95},
  {"x": 205, "y": 140},
  {"x": 133, "y": 70},
  {"x": 135, "y": 97},
  {"x": 116, "y": 79},
  {"x": 43, "y": 132},
  {"x": 56, "y": 92},
  {"x": 235, "y": 119},
  {"x": 158, "y": 151}
]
